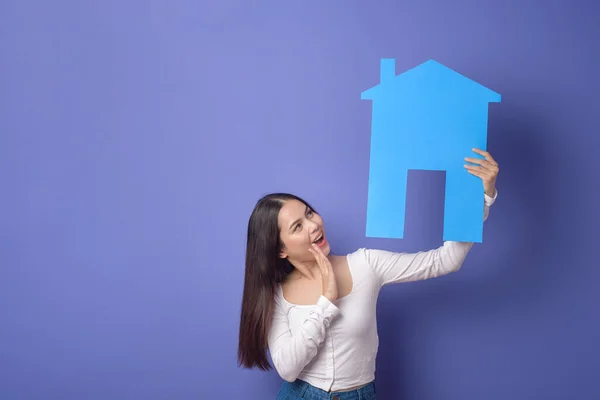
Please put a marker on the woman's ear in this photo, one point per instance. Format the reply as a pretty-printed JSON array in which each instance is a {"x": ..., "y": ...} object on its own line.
[{"x": 282, "y": 253}]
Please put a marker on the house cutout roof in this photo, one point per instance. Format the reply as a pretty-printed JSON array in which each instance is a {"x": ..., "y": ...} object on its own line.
[{"x": 428, "y": 78}]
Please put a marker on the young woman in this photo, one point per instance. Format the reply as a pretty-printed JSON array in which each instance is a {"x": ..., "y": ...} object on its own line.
[{"x": 315, "y": 312}]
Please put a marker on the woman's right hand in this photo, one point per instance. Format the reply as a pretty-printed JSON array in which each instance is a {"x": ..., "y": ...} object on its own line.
[{"x": 330, "y": 290}]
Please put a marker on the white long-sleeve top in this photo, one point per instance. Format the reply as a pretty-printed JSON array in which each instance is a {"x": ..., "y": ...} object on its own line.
[{"x": 333, "y": 345}]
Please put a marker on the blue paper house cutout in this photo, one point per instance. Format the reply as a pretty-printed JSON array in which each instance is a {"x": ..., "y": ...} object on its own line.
[{"x": 427, "y": 118}]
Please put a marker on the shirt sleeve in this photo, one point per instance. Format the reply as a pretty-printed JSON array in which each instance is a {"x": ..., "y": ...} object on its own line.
[
  {"x": 292, "y": 352},
  {"x": 488, "y": 201},
  {"x": 394, "y": 267}
]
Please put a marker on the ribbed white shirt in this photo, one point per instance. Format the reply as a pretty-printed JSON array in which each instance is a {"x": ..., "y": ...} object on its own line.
[{"x": 333, "y": 345}]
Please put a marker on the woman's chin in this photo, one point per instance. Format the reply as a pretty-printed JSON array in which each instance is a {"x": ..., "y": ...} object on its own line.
[{"x": 326, "y": 249}]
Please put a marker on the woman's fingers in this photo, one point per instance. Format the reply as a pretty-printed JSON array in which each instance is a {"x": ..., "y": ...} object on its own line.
[
  {"x": 318, "y": 251},
  {"x": 478, "y": 174},
  {"x": 320, "y": 262},
  {"x": 487, "y": 156},
  {"x": 317, "y": 257},
  {"x": 484, "y": 163},
  {"x": 480, "y": 170},
  {"x": 486, "y": 166}
]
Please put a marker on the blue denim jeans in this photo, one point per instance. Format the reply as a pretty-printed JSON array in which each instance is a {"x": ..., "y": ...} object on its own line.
[{"x": 305, "y": 391}]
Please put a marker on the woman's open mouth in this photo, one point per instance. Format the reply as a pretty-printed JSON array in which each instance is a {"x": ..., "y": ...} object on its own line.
[{"x": 320, "y": 240}]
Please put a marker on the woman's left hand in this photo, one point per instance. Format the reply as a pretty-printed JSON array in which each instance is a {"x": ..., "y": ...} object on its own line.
[{"x": 486, "y": 169}]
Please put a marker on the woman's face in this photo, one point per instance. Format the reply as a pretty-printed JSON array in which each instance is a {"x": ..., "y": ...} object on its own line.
[{"x": 299, "y": 227}]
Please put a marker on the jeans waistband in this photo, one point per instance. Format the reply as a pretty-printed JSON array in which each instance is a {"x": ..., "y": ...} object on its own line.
[{"x": 304, "y": 390}]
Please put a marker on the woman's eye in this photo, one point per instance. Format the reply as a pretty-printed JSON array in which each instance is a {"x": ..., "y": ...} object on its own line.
[{"x": 298, "y": 226}]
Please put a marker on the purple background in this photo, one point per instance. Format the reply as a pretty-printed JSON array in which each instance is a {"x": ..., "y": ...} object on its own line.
[{"x": 136, "y": 137}]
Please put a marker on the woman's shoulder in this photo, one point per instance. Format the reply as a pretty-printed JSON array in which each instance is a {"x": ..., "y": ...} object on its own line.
[
  {"x": 278, "y": 298},
  {"x": 359, "y": 254},
  {"x": 371, "y": 257},
  {"x": 365, "y": 254},
  {"x": 358, "y": 258}
]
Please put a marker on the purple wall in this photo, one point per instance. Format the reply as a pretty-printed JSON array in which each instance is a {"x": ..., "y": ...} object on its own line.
[{"x": 136, "y": 137}]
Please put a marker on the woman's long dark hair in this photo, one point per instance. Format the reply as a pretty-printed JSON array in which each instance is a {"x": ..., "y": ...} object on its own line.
[{"x": 264, "y": 270}]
